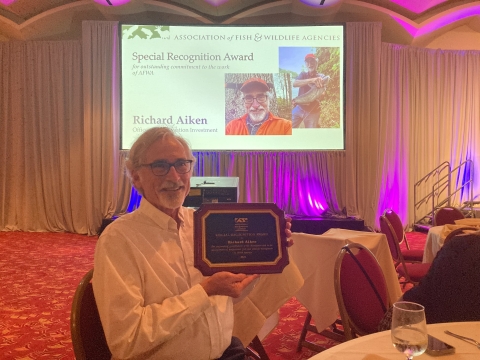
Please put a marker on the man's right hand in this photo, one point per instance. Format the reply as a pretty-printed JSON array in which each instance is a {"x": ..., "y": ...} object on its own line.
[
  {"x": 318, "y": 82},
  {"x": 227, "y": 283}
]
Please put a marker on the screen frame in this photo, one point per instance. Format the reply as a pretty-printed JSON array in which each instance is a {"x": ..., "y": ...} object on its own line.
[{"x": 343, "y": 97}]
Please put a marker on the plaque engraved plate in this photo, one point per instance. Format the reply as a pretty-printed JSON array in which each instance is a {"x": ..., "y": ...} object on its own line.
[{"x": 240, "y": 238}]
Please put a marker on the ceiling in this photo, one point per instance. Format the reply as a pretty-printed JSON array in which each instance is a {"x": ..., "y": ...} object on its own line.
[{"x": 404, "y": 21}]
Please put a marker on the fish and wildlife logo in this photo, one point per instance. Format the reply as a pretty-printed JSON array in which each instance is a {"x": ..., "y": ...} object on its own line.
[{"x": 145, "y": 32}]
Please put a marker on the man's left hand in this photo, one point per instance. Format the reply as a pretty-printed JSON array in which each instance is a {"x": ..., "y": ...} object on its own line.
[{"x": 288, "y": 232}]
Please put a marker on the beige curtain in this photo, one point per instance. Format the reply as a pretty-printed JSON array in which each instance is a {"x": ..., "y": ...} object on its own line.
[
  {"x": 298, "y": 182},
  {"x": 106, "y": 189},
  {"x": 41, "y": 137},
  {"x": 430, "y": 114},
  {"x": 363, "y": 120}
]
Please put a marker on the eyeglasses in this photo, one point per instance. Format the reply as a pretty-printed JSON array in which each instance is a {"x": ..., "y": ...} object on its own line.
[
  {"x": 161, "y": 168},
  {"x": 248, "y": 99}
]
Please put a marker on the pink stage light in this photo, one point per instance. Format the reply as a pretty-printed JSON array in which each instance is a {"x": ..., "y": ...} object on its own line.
[
  {"x": 417, "y": 6},
  {"x": 7, "y": 2},
  {"x": 314, "y": 203},
  {"x": 438, "y": 23},
  {"x": 112, "y": 2}
]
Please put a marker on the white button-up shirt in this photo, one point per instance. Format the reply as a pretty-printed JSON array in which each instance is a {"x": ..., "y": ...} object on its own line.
[{"x": 148, "y": 294}]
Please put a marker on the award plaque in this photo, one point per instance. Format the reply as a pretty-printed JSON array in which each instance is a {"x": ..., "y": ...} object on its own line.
[{"x": 240, "y": 238}]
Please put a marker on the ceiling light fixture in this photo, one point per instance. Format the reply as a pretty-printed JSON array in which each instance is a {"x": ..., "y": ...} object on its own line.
[
  {"x": 111, "y": 2},
  {"x": 321, "y": 3}
]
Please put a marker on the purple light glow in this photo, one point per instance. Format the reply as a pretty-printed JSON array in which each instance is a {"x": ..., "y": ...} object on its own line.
[
  {"x": 448, "y": 19},
  {"x": 112, "y": 2},
  {"x": 412, "y": 30},
  {"x": 7, "y": 2},
  {"x": 417, "y": 6},
  {"x": 216, "y": 2},
  {"x": 314, "y": 204},
  {"x": 439, "y": 23}
]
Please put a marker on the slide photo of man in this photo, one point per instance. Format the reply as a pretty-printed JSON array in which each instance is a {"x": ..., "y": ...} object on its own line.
[
  {"x": 315, "y": 89},
  {"x": 255, "y": 94}
]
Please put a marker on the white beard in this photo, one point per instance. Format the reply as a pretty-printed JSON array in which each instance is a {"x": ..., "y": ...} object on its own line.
[
  {"x": 258, "y": 116},
  {"x": 172, "y": 199}
]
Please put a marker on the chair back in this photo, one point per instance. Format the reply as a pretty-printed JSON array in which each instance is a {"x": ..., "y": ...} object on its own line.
[
  {"x": 460, "y": 231},
  {"x": 88, "y": 338},
  {"x": 361, "y": 290},
  {"x": 447, "y": 215},
  {"x": 387, "y": 229},
  {"x": 396, "y": 223}
]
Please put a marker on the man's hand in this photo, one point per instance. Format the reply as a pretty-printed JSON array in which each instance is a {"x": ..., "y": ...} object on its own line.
[
  {"x": 318, "y": 82},
  {"x": 227, "y": 283},
  {"x": 288, "y": 232}
]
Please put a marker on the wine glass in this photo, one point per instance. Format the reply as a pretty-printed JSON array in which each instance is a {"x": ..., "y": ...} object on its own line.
[{"x": 409, "y": 329}]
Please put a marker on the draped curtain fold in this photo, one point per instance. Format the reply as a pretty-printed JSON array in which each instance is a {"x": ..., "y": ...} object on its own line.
[
  {"x": 107, "y": 189},
  {"x": 408, "y": 109},
  {"x": 363, "y": 120},
  {"x": 41, "y": 142},
  {"x": 430, "y": 114},
  {"x": 298, "y": 182}
]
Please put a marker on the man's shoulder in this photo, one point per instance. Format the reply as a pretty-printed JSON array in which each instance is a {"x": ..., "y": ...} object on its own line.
[
  {"x": 302, "y": 75},
  {"x": 278, "y": 126},
  {"x": 126, "y": 222},
  {"x": 279, "y": 119},
  {"x": 236, "y": 125}
]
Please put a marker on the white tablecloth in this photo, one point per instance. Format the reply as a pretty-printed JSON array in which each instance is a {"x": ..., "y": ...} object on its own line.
[
  {"x": 269, "y": 293},
  {"x": 379, "y": 346},
  {"x": 433, "y": 244},
  {"x": 315, "y": 257}
]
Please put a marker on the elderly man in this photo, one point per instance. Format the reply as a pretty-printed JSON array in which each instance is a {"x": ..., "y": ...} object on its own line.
[
  {"x": 258, "y": 120},
  {"x": 309, "y": 112},
  {"x": 153, "y": 303}
]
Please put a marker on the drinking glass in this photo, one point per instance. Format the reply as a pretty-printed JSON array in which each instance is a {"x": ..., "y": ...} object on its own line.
[{"x": 409, "y": 329}]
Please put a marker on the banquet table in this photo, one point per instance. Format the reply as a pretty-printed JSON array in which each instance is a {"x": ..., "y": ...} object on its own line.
[
  {"x": 433, "y": 244},
  {"x": 379, "y": 346},
  {"x": 437, "y": 234},
  {"x": 315, "y": 257}
]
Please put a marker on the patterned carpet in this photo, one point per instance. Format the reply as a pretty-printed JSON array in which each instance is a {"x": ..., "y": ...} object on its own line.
[{"x": 39, "y": 273}]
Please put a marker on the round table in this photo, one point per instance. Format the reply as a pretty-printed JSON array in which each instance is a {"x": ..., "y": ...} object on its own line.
[
  {"x": 433, "y": 244},
  {"x": 379, "y": 346}
]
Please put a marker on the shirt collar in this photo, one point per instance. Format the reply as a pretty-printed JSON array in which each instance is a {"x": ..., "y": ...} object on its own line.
[{"x": 159, "y": 217}]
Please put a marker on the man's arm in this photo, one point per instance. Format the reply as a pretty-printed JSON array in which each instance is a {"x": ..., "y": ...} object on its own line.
[
  {"x": 132, "y": 326},
  {"x": 317, "y": 81}
]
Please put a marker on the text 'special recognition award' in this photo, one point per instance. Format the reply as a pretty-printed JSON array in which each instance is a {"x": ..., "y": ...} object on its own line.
[{"x": 240, "y": 238}]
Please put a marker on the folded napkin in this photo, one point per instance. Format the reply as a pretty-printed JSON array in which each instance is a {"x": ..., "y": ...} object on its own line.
[
  {"x": 448, "y": 228},
  {"x": 468, "y": 222}
]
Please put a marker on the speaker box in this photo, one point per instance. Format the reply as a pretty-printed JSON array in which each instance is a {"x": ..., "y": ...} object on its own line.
[{"x": 211, "y": 190}]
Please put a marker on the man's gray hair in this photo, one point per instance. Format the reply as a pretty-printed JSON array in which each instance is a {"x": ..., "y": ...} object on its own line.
[{"x": 139, "y": 148}]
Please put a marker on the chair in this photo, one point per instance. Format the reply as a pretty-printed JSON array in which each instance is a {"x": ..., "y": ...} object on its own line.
[
  {"x": 333, "y": 333},
  {"x": 409, "y": 255},
  {"x": 411, "y": 272},
  {"x": 447, "y": 215},
  {"x": 460, "y": 231},
  {"x": 256, "y": 351},
  {"x": 361, "y": 290},
  {"x": 88, "y": 337}
]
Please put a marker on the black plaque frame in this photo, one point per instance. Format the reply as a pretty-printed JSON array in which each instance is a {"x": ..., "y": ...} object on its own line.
[{"x": 240, "y": 238}]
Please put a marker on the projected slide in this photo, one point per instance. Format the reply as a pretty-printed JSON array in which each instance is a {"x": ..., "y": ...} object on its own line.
[{"x": 235, "y": 88}]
